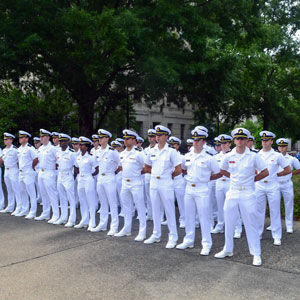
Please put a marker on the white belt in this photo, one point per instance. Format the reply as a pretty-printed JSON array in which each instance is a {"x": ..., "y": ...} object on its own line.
[
  {"x": 65, "y": 172},
  {"x": 106, "y": 174},
  {"x": 284, "y": 181},
  {"x": 242, "y": 187},
  {"x": 44, "y": 170},
  {"x": 85, "y": 175},
  {"x": 159, "y": 177},
  {"x": 11, "y": 168},
  {"x": 132, "y": 179}
]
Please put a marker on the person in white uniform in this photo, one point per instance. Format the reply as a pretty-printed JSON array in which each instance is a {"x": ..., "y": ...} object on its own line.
[
  {"x": 96, "y": 146},
  {"x": 47, "y": 178},
  {"x": 11, "y": 175},
  {"x": 241, "y": 165},
  {"x": 152, "y": 143},
  {"x": 286, "y": 184},
  {"x": 28, "y": 159},
  {"x": 108, "y": 162},
  {"x": 37, "y": 144},
  {"x": 189, "y": 144},
  {"x": 66, "y": 160},
  {"x": 268, "y": 189},
  {"x": 55, "y": 139},
  {"x": 75, "y": 145},
  {"x": 179, "y": 182},
  {"x": 164, "y": 163},
  {"x": 222, "y": 184},
  {"x": 132, "y": 164},
  {"x": 201, "y": 168},
  {"x": 86, "y": 167}
]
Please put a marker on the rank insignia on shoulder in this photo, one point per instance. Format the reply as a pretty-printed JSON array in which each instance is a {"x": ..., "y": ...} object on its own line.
[
  {"x": 72, "y": 150},
  {"x": 255, "y": 151},
  {"x": 111, "y": 148},
  {"x": 209, "y": 153},
  {"x": 29, "y": 145},
  {"x": 153, "y": 155}
]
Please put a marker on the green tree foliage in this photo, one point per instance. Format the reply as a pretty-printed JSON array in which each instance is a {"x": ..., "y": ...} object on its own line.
[{"x": 232, "y": 59}]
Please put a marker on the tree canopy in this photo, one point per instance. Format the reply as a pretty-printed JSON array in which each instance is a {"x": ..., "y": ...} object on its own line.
[{"x": 232, "y": 59}]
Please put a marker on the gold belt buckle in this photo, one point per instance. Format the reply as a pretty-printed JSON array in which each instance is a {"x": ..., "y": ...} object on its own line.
[
  {"x": 266, "y": 181},
  {"x": 193, "y": 184},
  {"x": 7, "y": 168},
  {"x": 43, "y": 170},
  {"x": 158, "y": 177},
  {"x": 223, "y": 179},
  {"x": 127, "y": 180},
  {"x": 21, "y": 171},
  {"x": 103, "y": 174}
]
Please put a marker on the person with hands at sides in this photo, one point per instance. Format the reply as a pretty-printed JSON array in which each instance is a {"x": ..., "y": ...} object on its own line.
[
  {"x": 86, "y": 167},
  {"x": 268, "y": 189},
  {"x": 108, "y": 164},
  {"x": 241, "y": 165},
  {"x": 11, "y": 175},
  {"x": 28, "y": 159},
  {"x": 286, "y": 184},
  {"x": 164, "y": 163},
  {"x": 201, "y": 167},
  {"x": 132, "y": 164},
  {"x": 66, "y": 160},
  {"x": 47, "y": 178}
]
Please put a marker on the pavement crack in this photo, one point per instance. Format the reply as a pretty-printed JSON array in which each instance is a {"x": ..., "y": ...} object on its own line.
[{"x": 52, "y": 253}]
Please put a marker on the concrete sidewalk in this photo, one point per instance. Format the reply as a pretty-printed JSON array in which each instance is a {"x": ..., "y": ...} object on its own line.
[{"x": 43, "y": 261}]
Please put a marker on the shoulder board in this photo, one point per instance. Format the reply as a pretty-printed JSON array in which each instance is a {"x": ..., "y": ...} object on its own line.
[
  {"x": 15, "y": 147},
  {"x": 138, "y": 149},
  {"x": 209, "y": 153},
  {"x": 91, "y": 154},
  {"x": 255, "y": 151},
  {"x": 72, "y": 150},
  {"x": 111, "y": 148},
  {"x": 277, "y": 151},
  {"x": 29, "y": 145},
  {"x": 228, "y": 151}
]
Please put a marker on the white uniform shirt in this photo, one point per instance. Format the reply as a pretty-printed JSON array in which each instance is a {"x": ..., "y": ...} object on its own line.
[
  {"x": 86, "y": 163},
  {"x": 47, "y": 157},
  {"x": 93, "y": 150},
  {"x": 274, "y": 160},
  {"x": 242, "y": 167},
  {"x": 26, "y": 155},
  {"x": 292, "y": 161},
  {"x": 147, "y": 175},
  {"x": 179, "y": 180},
  {"x": 108, "y": 160},
  {"x": 219, "y": 158},
  {"x": 200, "y": 166},
  {"x": 66, "y": 160},
  {"x": 163, "y": 161},
  {"x": 132, "y": 163},
  {"x": 10, "y": 157}
]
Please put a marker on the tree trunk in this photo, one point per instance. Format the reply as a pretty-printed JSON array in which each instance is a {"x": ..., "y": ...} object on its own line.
[{"x": 86, "y": 118}]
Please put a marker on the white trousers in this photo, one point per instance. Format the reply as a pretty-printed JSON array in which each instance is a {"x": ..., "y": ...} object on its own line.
[
  {"x": 222, "y": 187},
  {"x": 107, "y": 193},
  {"x": 179, "y": 189},
  {"x": 147, "y": 196},
  {"x": 287, "y": 191},
  {"x": 26, "y": 182},
  {"x": 162, "y": 191},
  {"x": 11, "y": 179},
  {"x": 132, "y": 192},
  {"x": 87, "y": 196},
  {"x": 65, "y": 188},
  {"x": 197, "y": 199},
  {"x": 2, "y": 200},
  {"x": 245, "y": 202},
  {"x": 49, "y": 194},
  {"x": 271, "y": 194}
]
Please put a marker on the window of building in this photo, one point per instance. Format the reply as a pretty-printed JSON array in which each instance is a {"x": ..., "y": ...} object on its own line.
[
  {"x": 140, "y": 129},
  {"x": 170, "y": 125},
  {"x": 155, "y": 124}
]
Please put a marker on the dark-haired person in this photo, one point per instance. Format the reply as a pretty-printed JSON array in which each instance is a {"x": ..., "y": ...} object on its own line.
[{"x": 87, "y": 167}]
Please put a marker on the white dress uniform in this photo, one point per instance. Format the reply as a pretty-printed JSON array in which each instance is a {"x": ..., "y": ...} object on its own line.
[
  {"x": 65, "y": 183},
  {"x": 132, "y": 163},
  {"x": 222, "y": 187},
  {"x": 147, "y": 189},
  {"x": 26, "y": 155},
  {"x": 86, "y": 164},
  {"x": 179, "y": 185},
  {"x": 200, "y": 167},
  {"x": 2, "y": 200},
  {"x": 74, "y": 141},
  {"x": 108, "y": 162},
  {"x": 11, "y": 178},
  {"x": 47, "y": 179},
  {"x": 36, "y": 183},
  {"x": 241, "y": 195},
  {"x": 163, "y": 163},
  {"x": 268, "y": 189},
  {"x": 286, "y": 186}
]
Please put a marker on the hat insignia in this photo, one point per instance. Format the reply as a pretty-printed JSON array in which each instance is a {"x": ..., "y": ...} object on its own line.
[
  {"x": 264, "y": 135},
  {"x": 240, "y": 131}
]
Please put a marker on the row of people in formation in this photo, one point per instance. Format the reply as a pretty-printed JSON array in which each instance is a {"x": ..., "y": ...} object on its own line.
[{"x": 210, "y": 184}]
